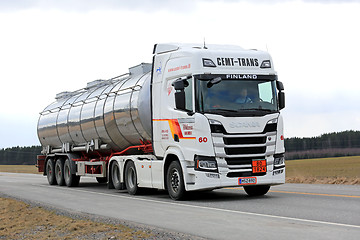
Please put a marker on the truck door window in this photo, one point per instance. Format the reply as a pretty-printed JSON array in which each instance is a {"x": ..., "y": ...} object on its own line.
[
  {"x": 265, "y": 93},
  {"x": 189, "y": 96}
]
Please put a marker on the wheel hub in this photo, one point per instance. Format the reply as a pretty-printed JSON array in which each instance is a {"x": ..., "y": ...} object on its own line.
[{"x": 175, "y": 179}]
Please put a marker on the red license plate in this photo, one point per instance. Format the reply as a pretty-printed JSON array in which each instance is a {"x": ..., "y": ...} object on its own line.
[{"x": 259, "y": 166}]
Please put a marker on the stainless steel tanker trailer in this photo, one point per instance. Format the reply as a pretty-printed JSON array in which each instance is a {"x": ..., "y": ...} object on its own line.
[{"x": 165, "y": 126}]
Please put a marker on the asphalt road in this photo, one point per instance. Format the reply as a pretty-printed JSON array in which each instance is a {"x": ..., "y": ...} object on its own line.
[{"x": 290, "y": 211}]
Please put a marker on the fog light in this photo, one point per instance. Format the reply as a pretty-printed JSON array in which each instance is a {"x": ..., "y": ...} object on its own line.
[{"x": 279, "y": 161}]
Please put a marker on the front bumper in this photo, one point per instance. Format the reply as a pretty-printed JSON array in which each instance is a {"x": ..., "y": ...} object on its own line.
[{"x": 210, "y": 180}]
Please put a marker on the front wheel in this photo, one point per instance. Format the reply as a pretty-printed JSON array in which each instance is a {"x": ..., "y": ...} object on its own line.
[
  {"x": 258, "y": 190},
  {"x": 175, "y": 181}
]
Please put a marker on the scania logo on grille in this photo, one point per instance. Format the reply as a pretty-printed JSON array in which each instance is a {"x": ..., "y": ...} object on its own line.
[{"x": 244, "y": 125}]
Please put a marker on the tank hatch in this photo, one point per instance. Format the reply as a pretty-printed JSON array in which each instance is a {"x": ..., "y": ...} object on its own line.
[{"x": 140, "y": 69}]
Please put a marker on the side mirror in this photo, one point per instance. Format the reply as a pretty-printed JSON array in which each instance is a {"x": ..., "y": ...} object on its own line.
[
  {"x": 180, "y": 100},
  {"x": 281, "y": 100},
  {"x": 180, "y": 85},
  {"x": 279, "y": 86}
]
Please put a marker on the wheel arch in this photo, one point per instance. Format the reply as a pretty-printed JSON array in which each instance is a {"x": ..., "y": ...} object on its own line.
[
  {"x": 168, "y": 160},
  {"x": 71, "y": 156},
  {"x": 172, "y": 154},
  {"x": 63, "y": 156}
]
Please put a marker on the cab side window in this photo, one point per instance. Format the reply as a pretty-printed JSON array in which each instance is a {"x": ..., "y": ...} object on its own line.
[{"x": 189, "y": 96}]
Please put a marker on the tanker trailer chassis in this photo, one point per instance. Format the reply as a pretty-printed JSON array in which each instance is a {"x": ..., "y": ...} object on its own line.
[{"x": 67, "y": 168}]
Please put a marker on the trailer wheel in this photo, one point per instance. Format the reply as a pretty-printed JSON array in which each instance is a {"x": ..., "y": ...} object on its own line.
[
  {"x": 59, "y": 172},
  {"x": 71, "y": 180},
  {"x": 131, "y": 178},
  {"x": 175, "y": 181},
  {"x": 115, "y": 176},
  {"x": 50, "y": 171},
  {"x": 256, "y": 190}
]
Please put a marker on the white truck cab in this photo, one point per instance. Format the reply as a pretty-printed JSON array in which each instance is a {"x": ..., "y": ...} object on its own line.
[{"x": 216, "y": 110}]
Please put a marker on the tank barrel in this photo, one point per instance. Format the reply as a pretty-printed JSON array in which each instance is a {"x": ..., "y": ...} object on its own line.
[{"x": 114, "y": 114}]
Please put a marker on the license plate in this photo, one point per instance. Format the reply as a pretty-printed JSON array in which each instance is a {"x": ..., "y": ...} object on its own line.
[
  {"x": 259, "y": 166},
  {"x": 247, "y": 180}
]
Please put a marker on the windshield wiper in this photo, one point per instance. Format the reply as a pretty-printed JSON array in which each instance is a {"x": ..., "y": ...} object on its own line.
[{"x": 256, "y": 109}]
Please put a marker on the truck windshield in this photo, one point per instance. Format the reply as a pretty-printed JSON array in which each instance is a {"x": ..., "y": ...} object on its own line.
[{"x": 234, "y": 97}]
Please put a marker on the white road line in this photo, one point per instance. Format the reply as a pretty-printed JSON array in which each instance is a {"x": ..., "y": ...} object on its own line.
[{"x": 212, "y": 209}]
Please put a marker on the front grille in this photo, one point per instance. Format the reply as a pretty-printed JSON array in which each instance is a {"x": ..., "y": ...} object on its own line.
[
  {"x": 245, "y": 150},
  {"x": 244, "y": 140},
  {"x": 239, "y": 150},
  {"x": 238, "y": 161}
]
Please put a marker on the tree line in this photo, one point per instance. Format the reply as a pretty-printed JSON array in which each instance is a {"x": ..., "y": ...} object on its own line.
[
  {"x": 335, "y": 144},
  {"x": 19, "y": 155},
  {"x": 338, "y": 144}
]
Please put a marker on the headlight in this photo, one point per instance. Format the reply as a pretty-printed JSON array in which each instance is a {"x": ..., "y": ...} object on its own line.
[
  {"x": 207, "y": 164},
  {"x": 279, "y": 161},
  {"x": 216, "y": 126}
]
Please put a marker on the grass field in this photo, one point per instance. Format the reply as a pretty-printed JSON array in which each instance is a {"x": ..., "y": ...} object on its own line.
[
  {"x": 19, "y": 168},
  {"x": 340, "y": 170}
]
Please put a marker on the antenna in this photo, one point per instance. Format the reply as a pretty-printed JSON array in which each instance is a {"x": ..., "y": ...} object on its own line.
[{"x": 205, "y": 45}]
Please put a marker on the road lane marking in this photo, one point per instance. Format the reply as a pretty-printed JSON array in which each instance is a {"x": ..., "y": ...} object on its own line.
[
  {"x": 317, "y": 194},
  {"x": 210, "y": 208},
  {"x": 305, "y": 193}
]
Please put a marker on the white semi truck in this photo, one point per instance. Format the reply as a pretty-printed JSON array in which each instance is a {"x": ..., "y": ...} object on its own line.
[{"x": 197, "y": 118}]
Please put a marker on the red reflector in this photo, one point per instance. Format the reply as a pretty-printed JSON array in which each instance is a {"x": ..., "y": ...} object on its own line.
[{"x": 282, "y": 137}]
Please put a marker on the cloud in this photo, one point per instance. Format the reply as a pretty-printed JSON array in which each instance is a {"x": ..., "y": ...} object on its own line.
[
  {"x": 136, "y": 5},
  {"x": 90, "y": 5}
]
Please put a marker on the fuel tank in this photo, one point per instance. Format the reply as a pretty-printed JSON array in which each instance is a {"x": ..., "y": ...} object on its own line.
[{"x": 107, "y": 114}]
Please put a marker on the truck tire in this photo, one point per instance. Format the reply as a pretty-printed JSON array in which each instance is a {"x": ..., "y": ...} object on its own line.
[
  {"x": 175, "y": 181},
  {"x": 254, "y": 191},
  {"x": 115, "y": 176},
  {"x": 131, "y": 178},
  {"x": 71, "y": 180},
  {"x": 59, "y": 172},
  {"x": 50, "y": 171}
]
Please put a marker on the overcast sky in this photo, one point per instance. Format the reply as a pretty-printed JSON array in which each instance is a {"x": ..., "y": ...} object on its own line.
[{"x": 49, "y": 46}]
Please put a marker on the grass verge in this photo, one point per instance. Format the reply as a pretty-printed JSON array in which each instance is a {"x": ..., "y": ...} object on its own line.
[
  {"x": 23, "y": 221},
  {"x": 340, "y": 170}
]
